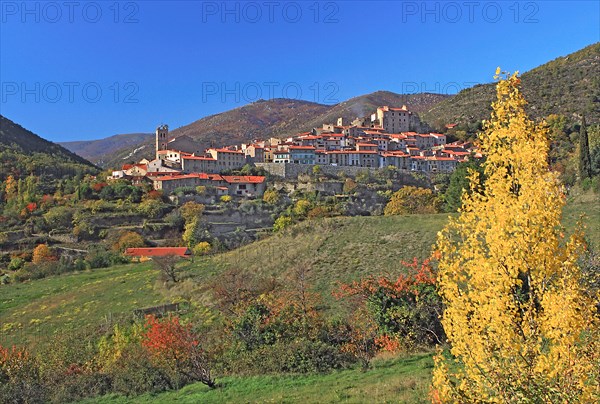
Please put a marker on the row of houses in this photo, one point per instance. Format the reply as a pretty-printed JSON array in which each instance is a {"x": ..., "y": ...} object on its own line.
[
  {"x": 380, "y": 140},
  {"x": 371, "y": 147},
  {"x": 168, "y": 180}
]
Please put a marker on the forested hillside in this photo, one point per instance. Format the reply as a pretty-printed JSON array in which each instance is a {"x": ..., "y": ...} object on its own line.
[{"x": 23, "y": 153}]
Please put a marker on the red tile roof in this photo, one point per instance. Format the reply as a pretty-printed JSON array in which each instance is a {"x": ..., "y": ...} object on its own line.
[
  {"x": 302, "y": 148},
  {"x": 198, "y": 158},
  {"x": 202, "y": 176},
  {"x": 386, "y": 108},
  {"x": 158, "y": 252},
  {"x": 241, "y": 179},
  {"x": 223, "y": 150},
  {"x": 129, "y": 166}
]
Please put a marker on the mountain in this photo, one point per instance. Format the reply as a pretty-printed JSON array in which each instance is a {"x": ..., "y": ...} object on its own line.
[
  {"x": 22, "y": 152},
  {"x": 94, "y": 150},
  {"x": 568, "y": 85},
  {"x": 263, "y": 119}
]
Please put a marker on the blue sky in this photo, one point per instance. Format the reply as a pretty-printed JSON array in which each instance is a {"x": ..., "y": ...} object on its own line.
[{"x": 97, "y": 68}]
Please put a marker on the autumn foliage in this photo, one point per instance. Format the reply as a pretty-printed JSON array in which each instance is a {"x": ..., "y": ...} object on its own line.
[
  {"x": 42, "y": 253},
  {"x": 412, "y": 200},
  {"x": 19, "y": 376},
  {"x": 520, "y": 325},
  {"x": 177, "y": 347},
  {"x": 129, "y": 239},
  {"x": 403, "y": 310}
]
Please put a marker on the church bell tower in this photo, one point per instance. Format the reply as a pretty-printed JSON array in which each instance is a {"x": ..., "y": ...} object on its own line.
[{"x": 162, "y": 138}]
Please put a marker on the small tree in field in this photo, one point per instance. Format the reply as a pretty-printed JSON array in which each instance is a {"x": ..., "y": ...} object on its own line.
[
  {"x": 167, "y": 266},
  {"x": 202, "y": 248},
  {"x": 520, "y": 324}
]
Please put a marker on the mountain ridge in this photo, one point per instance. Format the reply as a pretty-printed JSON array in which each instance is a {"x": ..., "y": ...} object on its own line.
[
  {"x": 93, "y": 149},
  {"x": 24, "y": 152}
]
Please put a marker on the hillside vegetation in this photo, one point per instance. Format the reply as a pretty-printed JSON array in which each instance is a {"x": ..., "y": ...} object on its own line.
[
  {"x": 331, "y": 251},
  {"x": 568, "y": 85},
  {"x": 334, "y": 250},
  {"x": 23, "y": 153}
]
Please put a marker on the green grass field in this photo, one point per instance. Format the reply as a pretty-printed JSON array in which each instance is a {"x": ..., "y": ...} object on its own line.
[
  {"x": 31, "y": 312},
  {"x": 588, "y": 204},
  {"x": 398, "y": 380}
]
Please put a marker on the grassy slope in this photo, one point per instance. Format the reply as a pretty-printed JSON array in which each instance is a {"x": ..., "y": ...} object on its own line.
[
  {"x": 400, "y": 380},
  {"x": 331, "y": 251},
  {"x": 31, "y": 312},
  {"x": 343, "y": 249},
  {"x": 340, "y": 248},
  {"x": 586, "y": 203}
]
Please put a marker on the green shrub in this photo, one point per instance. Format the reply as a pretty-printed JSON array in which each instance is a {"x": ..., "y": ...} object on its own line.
[
  {"x": 151, "y": 208},
  {"x": 271, "y": 197},
  {"x": 282, "y": 222},
  {"x": 16, "y": 264},
  {"x": 59, "y": 217},
  {"x": 134, "y": 373},
  {"x": 302, "y": 207},
  {"x": 98, "y": 257}
]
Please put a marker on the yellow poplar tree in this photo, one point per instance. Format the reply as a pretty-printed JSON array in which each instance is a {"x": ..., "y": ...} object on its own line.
[{"x": 521, "y": 327}]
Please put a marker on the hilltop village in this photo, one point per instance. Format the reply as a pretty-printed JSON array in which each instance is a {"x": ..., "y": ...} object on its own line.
[{"x": 380, "y": 140}]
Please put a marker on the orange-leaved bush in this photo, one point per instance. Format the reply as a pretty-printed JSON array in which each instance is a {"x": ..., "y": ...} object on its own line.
[{"x": 176, "y": 346}]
